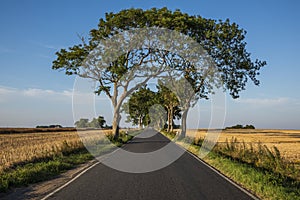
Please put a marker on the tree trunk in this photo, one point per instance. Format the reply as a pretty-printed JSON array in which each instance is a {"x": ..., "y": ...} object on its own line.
[
  {"x": 183, "y": 123},
  {"x": 140, "y": 122},
  {"x": 115, "y": 124},
  {"x": 169, "y": 126},
  {"x": 171, "y": 118}
]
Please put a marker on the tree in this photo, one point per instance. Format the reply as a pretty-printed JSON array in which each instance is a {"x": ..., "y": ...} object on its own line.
[
  {"x": 142, "y": 107},
  {"x": 157, "y": 114},
  {"x": 170, "y": 101},
  {"x": 138, "y": 105},
  {"x": 97, "y": 122},
  {"x": 82, "y": 123},
  {"x": 224, "y": 42}
]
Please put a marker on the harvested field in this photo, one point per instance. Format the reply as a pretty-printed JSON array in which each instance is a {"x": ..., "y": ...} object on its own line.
[
  {"x": 287, "y": 141},
  {"x": 18, "y": 148}
]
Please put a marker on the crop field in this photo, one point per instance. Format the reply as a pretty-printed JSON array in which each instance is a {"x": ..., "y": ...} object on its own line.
[
  {"x": 18, "y": 148},
  {"x": 287, "y": 141}
]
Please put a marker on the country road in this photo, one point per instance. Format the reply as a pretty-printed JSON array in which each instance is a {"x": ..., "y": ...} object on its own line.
[{"x": 186, "y": 178}]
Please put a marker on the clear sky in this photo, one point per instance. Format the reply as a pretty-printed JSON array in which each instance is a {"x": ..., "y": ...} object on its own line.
[{"x": 31, "y": 93}]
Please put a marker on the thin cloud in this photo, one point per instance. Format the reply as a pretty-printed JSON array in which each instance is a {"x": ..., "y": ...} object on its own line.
[
  {"x": 47, "y": 46},
  {"x": 7, "y": 93},
  {"x": 51, "y": 46},
  {"x": 34, "y": 92},
  {"x": 264, "y": 101},
  {"x": 7, "y": 90}
]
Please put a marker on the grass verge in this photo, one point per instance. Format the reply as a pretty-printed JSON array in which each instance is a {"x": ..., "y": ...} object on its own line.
[
  {"x": 40, "y": 171},
  {"x": 264, "y": 183},
  {"x": 47, "y": 168}
]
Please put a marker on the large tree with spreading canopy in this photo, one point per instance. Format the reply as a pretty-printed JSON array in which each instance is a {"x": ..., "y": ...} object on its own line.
[{"x": 223, "y": 41}]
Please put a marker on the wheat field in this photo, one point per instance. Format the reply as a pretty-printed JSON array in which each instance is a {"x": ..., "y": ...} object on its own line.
[
  {"x": 18, "y": 148},
  {"x": 287, "y": 141}
]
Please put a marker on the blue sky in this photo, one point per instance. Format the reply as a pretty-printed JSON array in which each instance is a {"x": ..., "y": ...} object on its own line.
[{"x": 31, "y": 93}]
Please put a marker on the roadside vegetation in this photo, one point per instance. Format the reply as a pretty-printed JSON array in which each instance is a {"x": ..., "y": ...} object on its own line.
[
  {"x": 261, "y": 170},
  {"x": 33, "y": 157}
]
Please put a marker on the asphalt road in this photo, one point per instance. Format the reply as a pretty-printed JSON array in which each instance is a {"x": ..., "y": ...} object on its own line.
[{"x": 186, "y": 178}]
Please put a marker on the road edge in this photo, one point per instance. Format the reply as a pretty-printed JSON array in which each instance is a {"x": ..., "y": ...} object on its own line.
[
  {"x": 217, "y": 172},
  {"x": 70, "y": 181},
  {"x": 190, "y": 153}
]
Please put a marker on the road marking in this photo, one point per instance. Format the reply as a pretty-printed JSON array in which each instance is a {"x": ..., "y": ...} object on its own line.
[
  {"x": 216, "y": 171},
  {"x": 101, "y": 158},
  {"x": 70, "y": 181},
  {"x": 105, "y": 156}
]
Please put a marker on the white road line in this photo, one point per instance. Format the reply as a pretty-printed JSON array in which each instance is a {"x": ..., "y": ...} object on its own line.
[
  {"x": 216, "y": 171},
  {"x": 101, "y": 158},
  {"x": 70, "y": 181},
  {"x": 104, "y": 156}
]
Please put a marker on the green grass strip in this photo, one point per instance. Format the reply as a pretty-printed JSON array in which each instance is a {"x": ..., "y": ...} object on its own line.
[
  {"x": 263, "y": 183},
  {"x": 41, "y": 170}
]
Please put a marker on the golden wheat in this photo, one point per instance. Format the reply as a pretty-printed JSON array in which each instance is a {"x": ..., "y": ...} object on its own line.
[
  {"x": 287, "y": 141},
  {"x": 27, "y": 147}
]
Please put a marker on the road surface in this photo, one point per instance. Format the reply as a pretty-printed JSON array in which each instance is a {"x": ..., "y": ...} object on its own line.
[{"x": 186, "y": 178}]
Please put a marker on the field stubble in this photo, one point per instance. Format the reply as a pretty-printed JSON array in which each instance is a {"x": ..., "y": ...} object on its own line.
[
  {"x": 21, "y": 148},
  {"x": 286, "y": 141}
]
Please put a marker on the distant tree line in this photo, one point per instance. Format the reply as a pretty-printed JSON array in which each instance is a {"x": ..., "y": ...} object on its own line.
[
  {"x": 94, "y": 123},
  {"x": 238, "y": 126},
  {"x": 50, "y": 126}
]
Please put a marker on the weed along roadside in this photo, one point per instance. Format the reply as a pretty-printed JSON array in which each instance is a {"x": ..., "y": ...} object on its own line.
[
  {"x": 64, "y": 153},
  {"x": 260, "y": 170}
]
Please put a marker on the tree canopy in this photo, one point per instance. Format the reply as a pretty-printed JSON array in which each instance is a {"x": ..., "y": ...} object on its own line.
[
  {"x": 138, "y": 106},
  {"x": 94, "y": 123},
  {"x": 222, "y": 40}
]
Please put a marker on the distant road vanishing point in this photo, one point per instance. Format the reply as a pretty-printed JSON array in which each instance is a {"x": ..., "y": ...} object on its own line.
[{"x": 185, "y": 179}]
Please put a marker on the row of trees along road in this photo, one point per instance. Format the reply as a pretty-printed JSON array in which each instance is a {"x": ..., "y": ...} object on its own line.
[
  {"x": 223, "y": 41},
  {"x": 140, "y": 102}
]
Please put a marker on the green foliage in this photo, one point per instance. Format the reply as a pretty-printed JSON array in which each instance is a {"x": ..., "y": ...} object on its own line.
[
  {"x": 82, "y": 123},
  {"x": 97, "y": 122},
  {"x": 249, "y": 127},
  {"x": 170, "y": 101},
  {"x": 122, "y": 139},
  {"x": 94, "y": 123},
  {"x": 238, "y": 126},
  {"x": 170, "y": 135},
  {"x": 223, "y": 41},
  {"x": 138, "y": 105}
]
